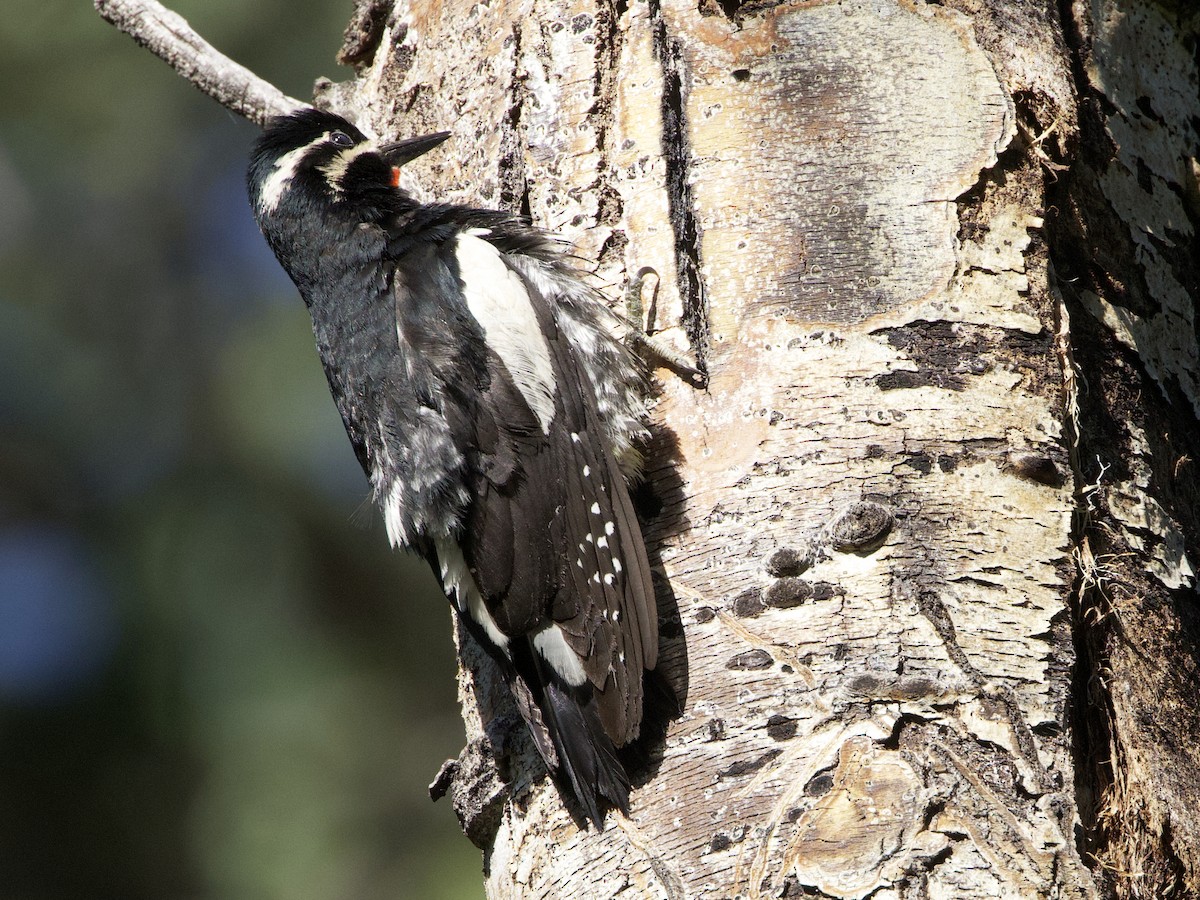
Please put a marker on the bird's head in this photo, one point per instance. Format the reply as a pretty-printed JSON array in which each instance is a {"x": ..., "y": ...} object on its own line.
[{"x": 311, "y": 156}]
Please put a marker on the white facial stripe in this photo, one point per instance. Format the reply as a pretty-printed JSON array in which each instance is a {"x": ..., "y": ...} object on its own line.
[
  {"x": 498, "y": 300},
  {"x": 552, "y": 644},
  {"x": 335, "y": 170},
  {"x": 285, "y": 170},
  {"x": 456, "y": 577}
]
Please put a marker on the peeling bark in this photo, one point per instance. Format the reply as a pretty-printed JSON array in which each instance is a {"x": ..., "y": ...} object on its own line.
[{"x": 1133, "y": 194}]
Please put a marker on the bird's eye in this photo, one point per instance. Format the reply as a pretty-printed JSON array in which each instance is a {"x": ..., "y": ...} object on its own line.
[{"x": 342, "y": 139}]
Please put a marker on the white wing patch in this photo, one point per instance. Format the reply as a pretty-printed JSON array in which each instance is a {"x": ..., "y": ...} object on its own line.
[
  {"x": 553, "y": 646},
  {"x": 456, "y": 577},
  {"x": 498, "y": 300}
]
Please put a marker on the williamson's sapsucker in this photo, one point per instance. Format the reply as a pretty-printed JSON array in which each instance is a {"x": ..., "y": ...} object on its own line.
[{"x": 495, "y": 416}]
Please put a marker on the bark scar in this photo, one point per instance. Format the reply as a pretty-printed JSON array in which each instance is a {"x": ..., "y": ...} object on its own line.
[
  {"x": 670, "y": 880},
  {"x": 932, "y": 607},
  {"x": 777, "y": 652},
  {"x": 677, "y": 155}
]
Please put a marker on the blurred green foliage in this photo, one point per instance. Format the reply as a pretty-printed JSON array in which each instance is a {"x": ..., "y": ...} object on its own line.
[{"x": 216, "y": 680}]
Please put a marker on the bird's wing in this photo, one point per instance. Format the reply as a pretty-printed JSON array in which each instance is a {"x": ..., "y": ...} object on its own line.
[{"x": 548, "y": 537}]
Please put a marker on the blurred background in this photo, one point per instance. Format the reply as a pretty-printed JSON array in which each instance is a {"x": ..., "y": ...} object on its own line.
[{"x": 216, "y": 681}]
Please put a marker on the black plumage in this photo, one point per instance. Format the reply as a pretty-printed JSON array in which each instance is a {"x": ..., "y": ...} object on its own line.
[{"x": 495, "y": 417}]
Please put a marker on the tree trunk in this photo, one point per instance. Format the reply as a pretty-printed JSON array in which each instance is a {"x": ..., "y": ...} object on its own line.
[
  {"x": 1127, "y": 260},
  {"x": 925, "y": 537},
  {"x": 940, "y": 263}
]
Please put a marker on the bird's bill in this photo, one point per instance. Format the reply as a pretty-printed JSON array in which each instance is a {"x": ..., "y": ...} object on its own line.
[{"x": 407, "y": 150}]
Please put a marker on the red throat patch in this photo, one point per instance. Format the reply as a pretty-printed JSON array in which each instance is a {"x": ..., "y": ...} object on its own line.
[{"x": 395, "y": 176}]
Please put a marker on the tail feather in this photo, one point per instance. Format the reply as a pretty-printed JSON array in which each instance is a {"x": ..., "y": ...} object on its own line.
[
  {"x": 586, "y": 755},
  {"x": 566, "y": 728}
]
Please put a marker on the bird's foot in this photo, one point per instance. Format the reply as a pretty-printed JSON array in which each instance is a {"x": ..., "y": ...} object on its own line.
[{"x": 653, "y": 350}]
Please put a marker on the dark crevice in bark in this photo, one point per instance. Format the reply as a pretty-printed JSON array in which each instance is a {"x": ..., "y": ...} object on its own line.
[
  {"x": 931, "y": 607},
  {"x": 726, "y": 8},
  {"x": 736, "y": 11},
  {"x": 678, "y": 158},
  {"x": 363, "y": 33},
  {"x": 1091, "y": 712},
  {"x": 608, "y": 52},
  {"x": 609, "y": 39},
  {"x": 1127, "y": 625},
  {"x": 514, "y": 181}
]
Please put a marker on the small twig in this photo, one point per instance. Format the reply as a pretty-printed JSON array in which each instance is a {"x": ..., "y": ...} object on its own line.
[{"x": 168, "y": 36}]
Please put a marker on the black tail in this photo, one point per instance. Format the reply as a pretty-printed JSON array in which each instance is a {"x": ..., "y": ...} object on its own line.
[
  {"x": 586, "y": 755},
  {"x": 565, "y": 725}
]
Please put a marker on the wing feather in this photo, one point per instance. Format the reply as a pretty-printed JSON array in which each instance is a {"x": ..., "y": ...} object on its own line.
[{"x": 548, "y": 532}]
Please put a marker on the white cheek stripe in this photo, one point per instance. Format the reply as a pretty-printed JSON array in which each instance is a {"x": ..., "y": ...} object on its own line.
[
  {"x": 457, "y": 578},
  {"x": 285, "y": 170},
  {"x": 498, "y": 300},
  {"x": 553, "y": 646}
]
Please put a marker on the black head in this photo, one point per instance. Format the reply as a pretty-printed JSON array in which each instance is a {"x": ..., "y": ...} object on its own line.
[{"x": 323, "y": 158}]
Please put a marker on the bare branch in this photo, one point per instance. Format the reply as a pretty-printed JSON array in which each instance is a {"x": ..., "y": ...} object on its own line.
[{"x": 168, "y": 36}]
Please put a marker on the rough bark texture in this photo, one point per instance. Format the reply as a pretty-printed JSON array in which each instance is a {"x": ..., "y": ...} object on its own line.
[
  {"x": 940, "y": 262},
  {"x": 1128, "y": 265}
]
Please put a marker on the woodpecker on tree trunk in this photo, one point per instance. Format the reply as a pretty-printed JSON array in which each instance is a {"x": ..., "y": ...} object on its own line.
[{"x": 496, "y": 418}]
